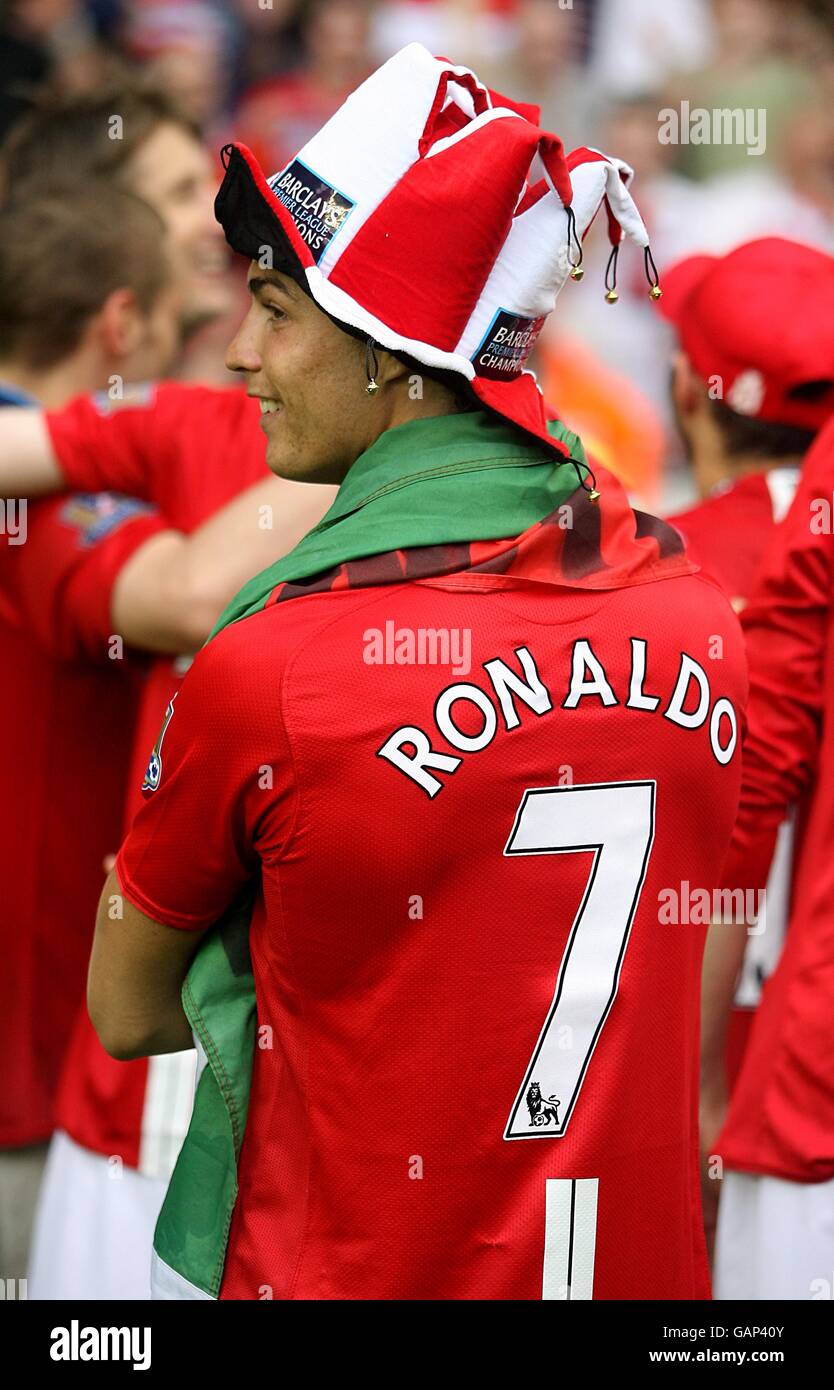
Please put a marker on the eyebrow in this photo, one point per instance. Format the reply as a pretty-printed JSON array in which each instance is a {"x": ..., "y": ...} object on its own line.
[{"x": 256, "y": 283}]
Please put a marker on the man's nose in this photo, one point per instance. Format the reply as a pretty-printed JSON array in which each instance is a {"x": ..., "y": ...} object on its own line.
[{"x": 242, "y": 354}]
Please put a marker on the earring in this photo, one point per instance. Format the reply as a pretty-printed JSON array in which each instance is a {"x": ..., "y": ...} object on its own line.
[{"x": 371, "y": 368}]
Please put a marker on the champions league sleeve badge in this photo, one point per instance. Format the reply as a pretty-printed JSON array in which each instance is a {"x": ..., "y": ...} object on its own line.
[{"x": 318, "y": 209}]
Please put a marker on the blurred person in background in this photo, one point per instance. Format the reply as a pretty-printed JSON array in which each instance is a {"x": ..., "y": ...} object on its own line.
[
  {"x": 749, "y": 404},
  {"x": 185, "y": 47},
  {"x": 57, "y": 39},
  {"x": 278, "y": 115},
  {"x": 748, "y": 401},
  {"x": 543, "y": 61},
  {"x": 637, "y": 44},
  {"x": 133, "y": 131},
  {"x": 267, "y": 41},
  {"x": 770, "y": 1151},
  {"x": 85, "y": 298},
  {"x": 747, "y": 69},
  {"x": 136, "y": 135}
]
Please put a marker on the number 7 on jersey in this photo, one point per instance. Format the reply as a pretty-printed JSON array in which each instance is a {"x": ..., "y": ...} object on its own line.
[{"x": 614, "y": 820}]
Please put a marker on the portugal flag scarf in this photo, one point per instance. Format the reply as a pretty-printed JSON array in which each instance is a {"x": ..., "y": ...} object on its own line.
[{"x": 447, "y": 495}]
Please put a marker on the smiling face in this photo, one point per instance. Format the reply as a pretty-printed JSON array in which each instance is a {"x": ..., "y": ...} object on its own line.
[
  {"x": 310, "y": 378},
  {"x": 173, "y": 173}
]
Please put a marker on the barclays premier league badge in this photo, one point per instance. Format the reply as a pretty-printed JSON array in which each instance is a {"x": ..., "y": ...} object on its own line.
[
  {"x": 318, "y": 210},
  {"x": 506, "y": 345}
]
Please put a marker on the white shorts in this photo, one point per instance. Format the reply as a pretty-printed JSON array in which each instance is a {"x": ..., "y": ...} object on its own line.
[
  {"x": 775, "y": 1239},
  {"x": 94, "y": 1227}
]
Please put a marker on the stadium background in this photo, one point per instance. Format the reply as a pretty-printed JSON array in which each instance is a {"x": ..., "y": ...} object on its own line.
[{"x": 605, "y": 72}]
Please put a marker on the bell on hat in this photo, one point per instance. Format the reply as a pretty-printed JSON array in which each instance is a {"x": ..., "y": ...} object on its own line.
[{"x": 431, "y": 215}]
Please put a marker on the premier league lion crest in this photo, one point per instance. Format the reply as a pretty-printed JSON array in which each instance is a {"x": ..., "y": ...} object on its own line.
[
  {"x": 541, "y": 1111},
  {"x": 153, "y": 775}
]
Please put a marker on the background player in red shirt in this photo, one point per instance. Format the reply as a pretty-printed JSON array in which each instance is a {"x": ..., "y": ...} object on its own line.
[
  {"x": 775, "y": 1230},
  {"x": 436, "y": 977},
  {"x": 71, "y": 581},
  {"x": 749, "y": 402}
]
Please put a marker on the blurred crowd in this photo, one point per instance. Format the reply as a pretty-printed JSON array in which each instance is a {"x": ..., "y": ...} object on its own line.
[{"x": 627, "y": 76}]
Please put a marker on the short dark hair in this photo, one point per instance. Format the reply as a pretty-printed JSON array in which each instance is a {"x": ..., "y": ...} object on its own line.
[
  {"x": 72, "y": 134},
  {"x": 62, "y": 253},
  {"x": 743, "y": 434}
]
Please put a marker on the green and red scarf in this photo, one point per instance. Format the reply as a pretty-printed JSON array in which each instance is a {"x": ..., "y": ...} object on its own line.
[{"x": 452, "y": 494}]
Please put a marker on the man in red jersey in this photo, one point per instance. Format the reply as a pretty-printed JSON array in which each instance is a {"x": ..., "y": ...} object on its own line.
[
  {"x": 749, "y": 403},
  {"x": 776, "y": 1141},
  {"x": 69, "y": 603},
  {"x": 134, "y": 134},
  {"x": 457, "y": 963}
]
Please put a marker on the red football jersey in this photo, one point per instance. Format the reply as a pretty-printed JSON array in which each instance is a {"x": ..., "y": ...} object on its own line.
[
  {"x": 781, "y": 1118},
  {"x": 728, "y": 531},
  {"x": 727, "y": 534},
  {"x": 190, "y": 450},
  {"x": 67, "y": 710},
  {"x": 477, "y": 1074}
]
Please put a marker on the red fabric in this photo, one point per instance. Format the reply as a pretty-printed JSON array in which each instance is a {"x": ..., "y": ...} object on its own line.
[
  {"x": 728, "y": 533},
  {"x": 190, "y": 449},
  {"x": 149, "y": 445},
  {"x": 400, "y": 1040},
  {"x": 781, "y": 1120},
  {"x": 377, "y": 268},
  {"x": 724, "y": 310},
  {"x": 68, "y": 715}
]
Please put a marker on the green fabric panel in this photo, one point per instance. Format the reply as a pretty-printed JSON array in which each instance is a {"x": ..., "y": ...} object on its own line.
[
  {"x": 417, "y": 485},
  {"x": 219, "y": 1001}
]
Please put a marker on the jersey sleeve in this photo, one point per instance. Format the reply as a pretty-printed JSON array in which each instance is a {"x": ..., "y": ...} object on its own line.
[
  {"x": 786, "y": 625},
  {"x": 59, "y": 585},
  {"x": 139, "y": 444},
  {"x": 219, "y": 796},
  {"x": 103, "y": 445}
]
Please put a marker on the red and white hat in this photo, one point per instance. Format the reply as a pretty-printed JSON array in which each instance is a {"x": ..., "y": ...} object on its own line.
[
  {"x": 760, "y": 321},
  {"x": 436, "y": 218}
]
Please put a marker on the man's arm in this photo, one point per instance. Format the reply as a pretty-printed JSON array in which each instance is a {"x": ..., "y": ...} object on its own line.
[
  {"x": 137, "y": 968},
  {"x": 171, "y": 591},
  {"x": 129, "y": 445},
  {"x": 198, "y": 839},
  {"x": 28, "y": 464}
]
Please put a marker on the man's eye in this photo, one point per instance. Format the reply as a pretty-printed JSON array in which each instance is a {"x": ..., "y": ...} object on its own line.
[{"x": 274, "y": 312}]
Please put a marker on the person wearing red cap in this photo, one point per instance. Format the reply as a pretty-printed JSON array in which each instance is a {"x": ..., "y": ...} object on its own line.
[
  {"x": 753, "y": 382},
  {"x": 775, "y": 1141},
  {"x": 749, "y": 401},
  {"x": 408, "y": 914}
]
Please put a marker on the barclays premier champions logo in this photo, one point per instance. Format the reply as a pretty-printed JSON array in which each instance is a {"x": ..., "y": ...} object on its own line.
[
  {"x": 318, "y": 210},
  {"x": 506, "y": 345}
]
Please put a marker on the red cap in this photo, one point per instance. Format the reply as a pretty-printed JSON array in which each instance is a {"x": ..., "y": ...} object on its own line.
[{"x": 762, "y": 320}]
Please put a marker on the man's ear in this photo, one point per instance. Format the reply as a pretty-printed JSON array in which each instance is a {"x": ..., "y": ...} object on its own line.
[
  {"x": 687, "y": 387},
  {"x": 120, "y": 324}
]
